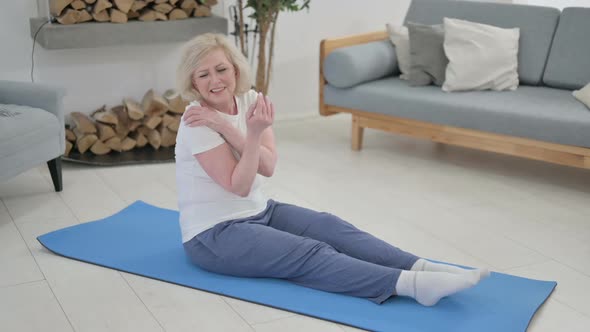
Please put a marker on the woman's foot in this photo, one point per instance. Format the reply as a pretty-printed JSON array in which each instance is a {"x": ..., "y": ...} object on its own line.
[
  {"x": 427, "y": 288},
  {"x": 474, "y": 275}
]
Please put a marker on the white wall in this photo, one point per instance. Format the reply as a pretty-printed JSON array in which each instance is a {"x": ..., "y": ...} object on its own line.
[
  {"x": 93, "y": 77},
  {"x": 555, "y": 3}
]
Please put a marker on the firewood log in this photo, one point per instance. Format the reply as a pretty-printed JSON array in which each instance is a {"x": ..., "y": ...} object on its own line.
[
  {"x": 127, "y": 144},
  {"x": 210, "y": 3},
  {"x": 141, "y": 141},
  {"x": 99, "y": 148},
  {"x": 102, "y": 16},
  {"x": 105, "y": 132},
  {"x": 173, "y": 2},
  {"x": 70, "y": 17},
  {"x": 83, "y": 123},
  {"x": 57, "y": 6},
  {"x": 122, "y": 127},
  {"x": 167, "y": 120},
  {"x": 123, "y": 5},
  {"x": 160, "y": 1},
  {"x": 132, "y": 15},
  {"x": 148, "y": 15},
  {"x": 85, "y": 142},
  {"x": 114, "y": 143},
  {"x": 78, "y": 4},
  {"x": 154, "y": 139},
  {"x": 133, "y": 109},
  {"x": 103, "y": 108},
  {"x": 139, "y": 138},
  {"x": 138, "y": 5},
  {"x": 167, "y": 137},
  {"x": 107, "y": 118},
  {"x": 103, "y": 116},
  {"x": 202, "y": 11},
  {"x": 78, "y": 133},
  {"x": 161, "y": 16},
  {"x": 84, "y": 16},
  {"x": 134, "y": 124},
  {"x": 143, "y": 130},
  {"x": 188, "y": 4},
  {"x": 90, "y": 1},
  {"x": 118, "y": 16},
  {"x": 153, "y": 104},
  {"x": 163, "y": 8},
  {"x": 175, "y": 123},
  {"x": 175, "y": 102},
  {"x": 70, "y": 136},
  {"x": 177, "y": 14},
  {"x": 69, "y": 146},
  {"x": 152, "y": 121},
  {"x": 101, "y": 5}
]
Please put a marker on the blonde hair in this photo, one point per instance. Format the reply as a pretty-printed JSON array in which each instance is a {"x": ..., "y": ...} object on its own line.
[{"x": 196, "y": 49}]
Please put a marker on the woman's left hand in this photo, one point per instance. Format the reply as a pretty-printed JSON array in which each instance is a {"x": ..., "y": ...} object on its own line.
[{"x": 196, "y": 116}]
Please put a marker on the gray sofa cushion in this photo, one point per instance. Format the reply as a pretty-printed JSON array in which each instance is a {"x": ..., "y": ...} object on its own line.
[
  {"x": 23, "y": 128},
  {"x": 537, "y": 25},
  {"x": 568, "y": 65},
  {"x": 427, "y": 55},
  {"x": 541, "y": 113},
  {"x": 363, "y": 63}
]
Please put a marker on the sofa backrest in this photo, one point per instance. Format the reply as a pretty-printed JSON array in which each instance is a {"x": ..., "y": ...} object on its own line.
[
  {"x": 537, "y": 26},
  {"x": 568, "y": 66}
]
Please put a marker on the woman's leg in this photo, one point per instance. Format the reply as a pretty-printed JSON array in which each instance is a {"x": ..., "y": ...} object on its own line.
[
  {"x": 339, "y": 234},
  {"x": 250, "y": 249},
  {"x": 256, "y": 250},
  {"x": 353, "y": 242}
]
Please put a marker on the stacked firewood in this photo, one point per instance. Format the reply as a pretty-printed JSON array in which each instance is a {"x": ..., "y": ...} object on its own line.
[
  {"x": 130, "y": 125},
  {"x": 121, "y": 11}
]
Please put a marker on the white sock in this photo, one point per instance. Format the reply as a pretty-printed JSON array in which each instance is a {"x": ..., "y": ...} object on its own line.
[
  {"x": 427, "y": 288},
  {"x": 475, "y": 275}
]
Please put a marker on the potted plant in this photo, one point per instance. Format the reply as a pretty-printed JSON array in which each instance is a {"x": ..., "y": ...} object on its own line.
[{"x": 265, "y": 14}]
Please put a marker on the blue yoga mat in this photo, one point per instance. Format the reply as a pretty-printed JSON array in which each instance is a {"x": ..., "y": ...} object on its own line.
[{"x": 145, "y": 240}]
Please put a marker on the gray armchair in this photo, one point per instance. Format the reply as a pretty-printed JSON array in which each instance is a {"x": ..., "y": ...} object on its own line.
[{"x": 31, "y": 129}]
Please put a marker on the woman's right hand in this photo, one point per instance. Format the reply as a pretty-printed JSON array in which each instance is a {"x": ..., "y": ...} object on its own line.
[{"x": 260, "y": 115}]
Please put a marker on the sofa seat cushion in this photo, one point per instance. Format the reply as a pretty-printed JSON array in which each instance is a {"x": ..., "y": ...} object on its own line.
[
  {"x": 540, "y": 113},
  {"x": 23, "y": 128}
]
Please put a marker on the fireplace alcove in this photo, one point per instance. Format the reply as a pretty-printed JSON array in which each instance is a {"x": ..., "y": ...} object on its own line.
[{"x": 54, "y": 36}]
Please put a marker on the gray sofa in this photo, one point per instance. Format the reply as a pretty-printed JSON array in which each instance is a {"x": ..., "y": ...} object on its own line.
[
  {"x": 31, "y": 129},
  {"x": 540, "y": 120}
]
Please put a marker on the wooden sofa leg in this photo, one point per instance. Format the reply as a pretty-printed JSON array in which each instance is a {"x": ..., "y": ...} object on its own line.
[
  {"x": 357, "y": 133},
  {"x": 55, "y": 170}
]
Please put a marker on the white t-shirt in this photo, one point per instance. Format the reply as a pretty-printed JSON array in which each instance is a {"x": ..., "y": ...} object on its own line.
[{"x": 201, "y": 201}]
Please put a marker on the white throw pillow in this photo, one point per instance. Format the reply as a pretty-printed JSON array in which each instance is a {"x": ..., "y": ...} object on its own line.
[
  {"x": 401, "y": 40},
  {"x": 583, "y": 95},
  {"x": 481, "y": 56}
]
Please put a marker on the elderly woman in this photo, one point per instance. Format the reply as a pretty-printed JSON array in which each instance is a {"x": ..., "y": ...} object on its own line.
[{"x": 225, "y": 145}]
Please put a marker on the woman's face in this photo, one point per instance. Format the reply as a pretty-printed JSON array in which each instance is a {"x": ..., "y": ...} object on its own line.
[{"x": 215, "y": 78}]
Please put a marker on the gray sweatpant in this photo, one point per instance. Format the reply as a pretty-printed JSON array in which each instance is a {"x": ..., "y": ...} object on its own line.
[{"x": 312, "y": 249}]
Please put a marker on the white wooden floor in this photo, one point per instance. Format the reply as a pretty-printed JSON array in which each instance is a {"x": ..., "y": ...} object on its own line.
[{"x": 481, "y": 209}]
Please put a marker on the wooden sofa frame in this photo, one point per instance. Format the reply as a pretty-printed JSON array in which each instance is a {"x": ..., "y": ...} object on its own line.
[{"x": 516, "y": 146}]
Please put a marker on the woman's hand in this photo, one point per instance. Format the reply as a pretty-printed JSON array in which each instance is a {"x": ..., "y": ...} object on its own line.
[
  {"x": 260, "y": 115},
  {"x": 202, "y": 116}
]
